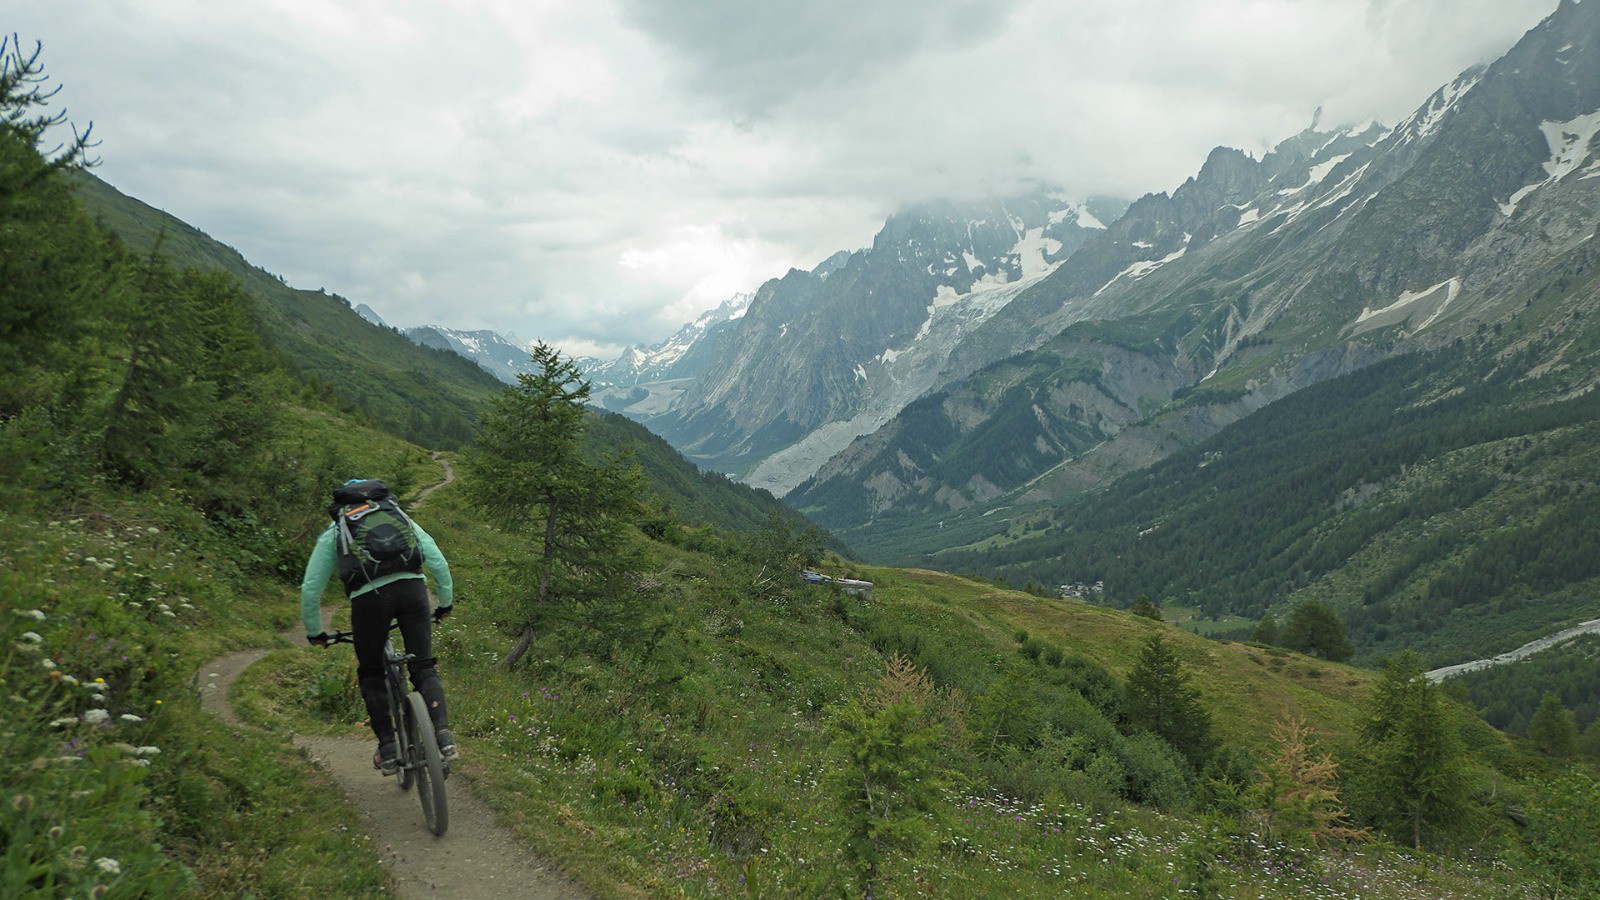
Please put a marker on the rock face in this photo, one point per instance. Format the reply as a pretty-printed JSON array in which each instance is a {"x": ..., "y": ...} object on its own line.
[
  {"x": 645, "y": 382},
  {"x": 1254, "y": 279},
  {"x": 816, "y": 350}
]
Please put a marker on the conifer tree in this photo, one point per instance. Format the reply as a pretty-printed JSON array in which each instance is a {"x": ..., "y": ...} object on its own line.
[
  {"x": 1413, "y": 758},
  {"x": 1007, "y": 715},
  {"x": 1146, "y": 608},
  {"x": 194, "y": 405},
  {"x": 54, "y": 277},
  {"x": 1161, "y": 699},
  {"x": 1267, "y": 631},
  {"x": 1301, "y": 791},
  {"x": 528, "y": 471},
  {"x": 1315, "y": 629},
  {"x": 1552, "y": 728}
]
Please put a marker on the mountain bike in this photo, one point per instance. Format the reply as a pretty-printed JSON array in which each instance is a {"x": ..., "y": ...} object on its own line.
[{"x": 413, "y": 732}]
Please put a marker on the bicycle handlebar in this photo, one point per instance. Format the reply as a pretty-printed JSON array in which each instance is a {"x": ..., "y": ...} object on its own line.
[{"x": 349, "y": 637}]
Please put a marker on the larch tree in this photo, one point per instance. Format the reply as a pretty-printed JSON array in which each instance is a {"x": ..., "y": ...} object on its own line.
[
  {"x": 1300, "y": 791},
  {"x": 889, "y": 778}
]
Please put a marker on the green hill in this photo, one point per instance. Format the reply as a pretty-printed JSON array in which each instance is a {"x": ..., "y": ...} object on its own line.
[{"x": 426, "y": 395}]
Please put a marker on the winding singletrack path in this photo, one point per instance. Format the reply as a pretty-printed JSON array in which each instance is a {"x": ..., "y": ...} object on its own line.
[{"x": 477, "y": 859}]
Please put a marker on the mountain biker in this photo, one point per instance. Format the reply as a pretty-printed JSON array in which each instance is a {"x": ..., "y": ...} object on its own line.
[{"x": 398, "y": 596}]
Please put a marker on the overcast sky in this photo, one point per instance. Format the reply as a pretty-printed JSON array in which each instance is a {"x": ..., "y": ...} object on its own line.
[{"x": 596, "y": 173}]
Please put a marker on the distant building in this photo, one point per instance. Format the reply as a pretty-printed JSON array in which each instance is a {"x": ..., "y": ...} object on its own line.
[{"x": 1081, "y": 591}]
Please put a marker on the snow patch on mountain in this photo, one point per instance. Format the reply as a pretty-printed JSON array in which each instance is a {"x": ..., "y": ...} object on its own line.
[
  {"x": 1427, "y": 304},
  {"x": 1144, "y": 267},
  {"x": 1032, "y": 252},
  {"x": 1570, "y": 147},
  {"x": 1569, "y": 143},
  {"x": 1078, "y": 212}
]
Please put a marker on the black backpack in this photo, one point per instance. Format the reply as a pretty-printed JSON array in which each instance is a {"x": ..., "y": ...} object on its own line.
[{"x": 375, "y": 537}]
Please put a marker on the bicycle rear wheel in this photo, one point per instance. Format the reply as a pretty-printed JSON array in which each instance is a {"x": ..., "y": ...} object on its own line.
[
  {"x": 429, "y": 767},
  {"x": 405, "y": 733}
]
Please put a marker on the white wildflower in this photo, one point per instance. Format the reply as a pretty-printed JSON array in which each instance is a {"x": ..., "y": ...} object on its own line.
[
  {"x": 148, "y": 751},
  {"x": 68, "y": 679},
  {"x": 109, "y": 865},
  {"x": 130, "y": 717},
  {"x": 35, "y": 614},
  {"x": 169, "y": 614},
  {"x": 152, "y": 530},
  {"x": 47, "y": 663},
  {"x": 62, "y": 723},
  {"x": 141, "y": 763},
  {"x": 96, "y": 716},
  {"x": 32, "y": 637}
]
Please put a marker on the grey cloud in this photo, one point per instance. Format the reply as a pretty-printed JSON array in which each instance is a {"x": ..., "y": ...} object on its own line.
[
  {"x": 758, "y": 56},
  {"x": 490, "y": 164}
]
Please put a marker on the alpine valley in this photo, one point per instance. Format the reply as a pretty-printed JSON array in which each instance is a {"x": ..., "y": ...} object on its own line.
[
  {"x": 1360, "y": 368},
  {"x": 1348, "y": 385}
]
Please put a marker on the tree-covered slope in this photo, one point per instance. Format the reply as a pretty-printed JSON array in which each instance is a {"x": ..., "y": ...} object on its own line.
[
  {"x": 425, "y": 395},
  {"x": 1442, "y": 500}
]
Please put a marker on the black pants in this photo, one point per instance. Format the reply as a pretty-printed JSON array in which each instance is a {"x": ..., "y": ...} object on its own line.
[{"x": 405, "y": 601}]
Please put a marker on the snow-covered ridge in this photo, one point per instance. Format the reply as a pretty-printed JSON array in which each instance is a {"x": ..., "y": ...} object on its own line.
[
  {"x": 1426, "y": 120},
  {"x": 638, "y": 361},
  {"x": 893, "y": 379}
]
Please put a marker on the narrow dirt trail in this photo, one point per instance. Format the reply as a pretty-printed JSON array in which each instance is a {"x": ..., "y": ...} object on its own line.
[{"x": 477, "y": 859}]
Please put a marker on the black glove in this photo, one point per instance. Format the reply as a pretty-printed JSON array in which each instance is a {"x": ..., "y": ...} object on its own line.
[
  {"x": 442, "y": 613},
  {"x": 318, "y": 640}
]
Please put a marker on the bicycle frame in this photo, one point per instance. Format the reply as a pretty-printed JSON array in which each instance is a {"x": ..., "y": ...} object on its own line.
[{"x": 420, "y": 762}]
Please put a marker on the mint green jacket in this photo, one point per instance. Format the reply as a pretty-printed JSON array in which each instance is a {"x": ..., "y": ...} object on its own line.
[{"x": 325, "y": 560}]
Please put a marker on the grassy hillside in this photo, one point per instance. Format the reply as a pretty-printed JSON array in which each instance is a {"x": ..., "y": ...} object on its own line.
[
  {"x": 426, "y": 395},
  {"x": 707, "y": 764}
]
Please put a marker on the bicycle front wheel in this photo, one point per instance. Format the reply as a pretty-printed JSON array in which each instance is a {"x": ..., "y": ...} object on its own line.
[{"x": 429, "y": 767}]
